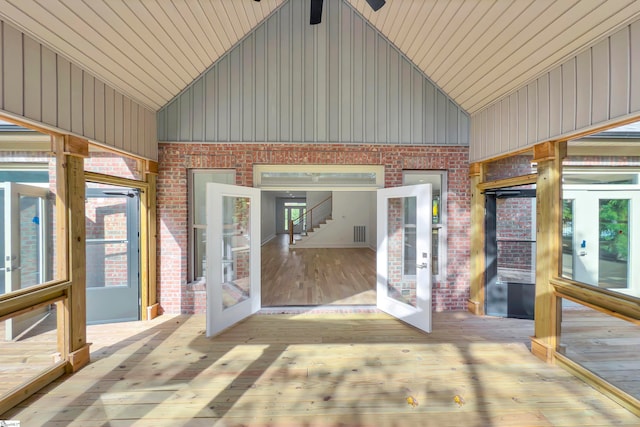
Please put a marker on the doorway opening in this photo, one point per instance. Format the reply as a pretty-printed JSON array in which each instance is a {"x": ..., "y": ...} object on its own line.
[
  {"x": 510, "y": 241},
  {"x": 113, "y": 253}
]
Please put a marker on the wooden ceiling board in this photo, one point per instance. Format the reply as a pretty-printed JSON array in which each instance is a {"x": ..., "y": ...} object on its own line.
[
  {"x": 411, "y": 25},
  {"x": 546, "y": 50},
  {"x": 129, "y": 27},
  {"x": 476, "y": 51},
  {"x": 112, "y": 43},
  {"x": 508, "y": 26}
]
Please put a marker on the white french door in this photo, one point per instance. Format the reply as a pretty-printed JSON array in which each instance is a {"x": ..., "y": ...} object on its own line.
[
  {"x": 404, "y": 254},
  {"x": 233, "y": 255}
]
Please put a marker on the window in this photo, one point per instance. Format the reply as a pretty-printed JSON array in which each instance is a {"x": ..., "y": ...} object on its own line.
[
  {"x": 198, "y": 179},
  {"x": 438, "y": 181},
  {"x": 598, "y": 237}
]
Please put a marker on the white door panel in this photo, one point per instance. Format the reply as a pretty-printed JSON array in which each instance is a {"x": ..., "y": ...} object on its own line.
[
  {"x": 404, "y": 254},
  {"x": 233, "y": 255}
]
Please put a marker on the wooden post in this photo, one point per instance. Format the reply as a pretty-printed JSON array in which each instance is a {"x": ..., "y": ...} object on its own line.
[
  {"x": 290, "y": 232},
  {"x": 75, "y": 308},
  {"x": 62, "y": 241},
  {"x": 148, "y": 243},
  {"x": 475, "y": 304},
  {"x": 549, "y": 157}
]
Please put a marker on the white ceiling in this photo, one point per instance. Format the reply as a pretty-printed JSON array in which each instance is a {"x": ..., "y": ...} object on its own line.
[{"x": 476, "y": 50}]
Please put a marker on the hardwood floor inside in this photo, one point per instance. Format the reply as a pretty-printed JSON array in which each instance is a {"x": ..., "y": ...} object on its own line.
[
  {"x": 319, "y": 370},
  {"x": 325, "y": 276}
]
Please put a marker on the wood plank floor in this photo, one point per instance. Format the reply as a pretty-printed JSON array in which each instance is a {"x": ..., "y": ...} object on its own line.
[
  {"x": 321, "y": 276},
  {"x": 311, "y": 369}
]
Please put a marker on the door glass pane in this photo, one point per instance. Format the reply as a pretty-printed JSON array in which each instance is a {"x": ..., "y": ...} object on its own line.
[
  {"x": 401, "y": 250},
  {"x": 107, "y": 241},
  {"x": 236, "y": 259},
  {"x": 614, "y": 243},
  {"x": 435, "y": 258},
  {"x": 567, "y": 238},
  {"x": 30, "y": 241},
  {"x": 2, "y": 247}
]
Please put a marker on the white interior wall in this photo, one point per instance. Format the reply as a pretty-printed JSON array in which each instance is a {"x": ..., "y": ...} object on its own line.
[{"x": 267, "y": 217}]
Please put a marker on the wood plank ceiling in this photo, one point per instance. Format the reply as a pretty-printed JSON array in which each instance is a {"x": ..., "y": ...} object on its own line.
[{"x": 475, "y": 50}]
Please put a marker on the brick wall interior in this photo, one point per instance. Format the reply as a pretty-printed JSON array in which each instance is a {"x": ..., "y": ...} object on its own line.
[{"x": 178, "y": 296}]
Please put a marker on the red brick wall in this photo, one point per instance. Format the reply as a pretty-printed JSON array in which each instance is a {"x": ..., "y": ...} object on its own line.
[{"x": 176, "y": 296}]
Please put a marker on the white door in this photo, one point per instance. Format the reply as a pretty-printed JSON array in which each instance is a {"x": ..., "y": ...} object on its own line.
[
  {"x": 404, "y": 254},
  {"x": 233, "y": 255},
  {"x": 25, "y": 243}
]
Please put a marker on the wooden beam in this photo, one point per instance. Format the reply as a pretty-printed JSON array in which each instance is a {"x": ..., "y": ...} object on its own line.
[
  {"x": 609, "y": 302},
  {"x": 548, "y": 247},
  {"x": 147, "y": 247},
  {"x": 17, "y": 395},
  {"x": 509, "y": 182},
  {"x": 153, "y": 311},
  {"x": 152, "y": 239},
  {"x": 476, "y": 169},
  {"x": 151, "y": 167},
  {"x": 475, "y": 304},
  {"x": 62, "y": 241},
  {"x": 78, "y": 359},
  {"x": 77, "y": 253},
  {"x": 77, "y": 147}
]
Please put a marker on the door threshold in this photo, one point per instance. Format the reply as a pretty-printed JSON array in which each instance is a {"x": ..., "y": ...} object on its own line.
[{"x": 319, "y": 309}]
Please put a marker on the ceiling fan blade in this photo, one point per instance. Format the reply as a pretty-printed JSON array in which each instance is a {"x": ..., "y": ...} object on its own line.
[
  {"x": 316, "y": 11},
  {"x": 376, "y": 4}
]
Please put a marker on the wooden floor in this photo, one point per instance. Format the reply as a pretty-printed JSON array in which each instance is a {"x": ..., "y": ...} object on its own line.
[
  {"x": 316, "y": 276},
  {"x": 360, "y": 369}
]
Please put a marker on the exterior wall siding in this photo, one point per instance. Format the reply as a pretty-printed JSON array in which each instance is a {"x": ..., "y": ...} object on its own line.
[
  {"x": 178, "y": 296},
  {"x": 595, "y": 88},
  {"x": 340, "y": 82},
  {"x": 42, "y": 87}
]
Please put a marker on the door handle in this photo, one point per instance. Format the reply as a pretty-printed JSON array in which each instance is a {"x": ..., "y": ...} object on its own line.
[{"x": 423, "y": 265}]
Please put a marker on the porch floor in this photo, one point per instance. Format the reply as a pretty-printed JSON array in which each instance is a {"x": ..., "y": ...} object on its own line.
[{"x": 319, "y": 369}]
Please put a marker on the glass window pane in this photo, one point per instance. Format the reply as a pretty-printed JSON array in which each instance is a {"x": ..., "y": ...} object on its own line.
[
  {"x": 510, "y": 167},
  {"x": 603, "y": 344},
  {"x": 401, "y": 250},
  {"x": 199, "y": 253},
  {"x": 31, "y": 249},
  {"x": 28, "y": 347},
  {"x": 236, "y": 255},
  {"x": 109, "y": 163},
  {"x": 200, "y": 180},
  {"x": 108, "y": 242},
  {"x": 614, "y": 243}
]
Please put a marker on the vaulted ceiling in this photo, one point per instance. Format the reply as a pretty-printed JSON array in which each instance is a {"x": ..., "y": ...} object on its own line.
[{"x": 477, "y": 51}]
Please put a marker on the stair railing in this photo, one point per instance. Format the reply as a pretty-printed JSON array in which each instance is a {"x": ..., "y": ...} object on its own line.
[{"x": 301, "y": 218}]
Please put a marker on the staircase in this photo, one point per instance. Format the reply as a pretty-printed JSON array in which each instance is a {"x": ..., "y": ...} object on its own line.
[
  {"x": 315, "y": 219},
  {"x": 308, "y": 234}
]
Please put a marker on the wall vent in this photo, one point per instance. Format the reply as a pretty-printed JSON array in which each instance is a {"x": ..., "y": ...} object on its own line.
[{"x": 359, "y": 233}]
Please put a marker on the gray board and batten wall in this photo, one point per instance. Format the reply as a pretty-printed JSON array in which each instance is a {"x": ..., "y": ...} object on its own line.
[
  {"x": 338, "y": 82},
  {"x": 44, "y": 88}
]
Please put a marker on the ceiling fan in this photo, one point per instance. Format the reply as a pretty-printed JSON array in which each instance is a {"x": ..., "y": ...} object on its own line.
[{"x": 316, "y": 9}]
